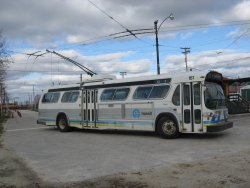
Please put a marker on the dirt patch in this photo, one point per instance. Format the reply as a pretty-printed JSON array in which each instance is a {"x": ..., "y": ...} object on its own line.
[
  {"x": 14, "y": 173},
  {"x": 220, "y": 172},
  {"x": 227, "y": 171}
]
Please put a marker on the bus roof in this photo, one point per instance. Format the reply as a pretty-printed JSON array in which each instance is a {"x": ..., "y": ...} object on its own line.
[
  {"x": 148, "y": 79},
  {"x": 179, "y": 77}
]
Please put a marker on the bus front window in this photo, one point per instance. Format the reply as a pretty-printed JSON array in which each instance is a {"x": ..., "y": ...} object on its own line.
[{"x": 214, "y": 96}]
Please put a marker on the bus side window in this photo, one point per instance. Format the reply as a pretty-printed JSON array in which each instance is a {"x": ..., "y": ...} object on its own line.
[
  {"x": 92, "y": 96},
  {"x": 74, "y": 96},
  {"x": 96, "y": 96},
  {"x": 121, "y": 94},
  {"x": 65, "y": 97},
  {"x": 159, "y": 92},
  {"x": 186, "y": 94},
  {"x": 55, "y": 97},
  {"x": 84, "y": 97},
  {"x": 88, "y": 96},
  {"x": 142, "y": 92},
  {"x": 197, "y": 94},
  {"x": 107, "y": 94},
  {"x": 176, "y": 99}
]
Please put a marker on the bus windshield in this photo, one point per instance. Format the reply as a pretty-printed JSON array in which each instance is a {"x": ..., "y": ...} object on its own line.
[{"x": 214, "y": 96}]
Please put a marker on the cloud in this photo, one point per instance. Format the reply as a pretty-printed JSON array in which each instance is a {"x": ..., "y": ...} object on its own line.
[
  {"x": 44, "y": 23},
  {"x": 240, "y": 11},
  {"x": 185, "y": 36},
  {"x": 229, "y": 63}
]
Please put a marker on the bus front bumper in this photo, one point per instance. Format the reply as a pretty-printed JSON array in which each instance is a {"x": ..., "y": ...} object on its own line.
[{"x": 220, "y": 127}]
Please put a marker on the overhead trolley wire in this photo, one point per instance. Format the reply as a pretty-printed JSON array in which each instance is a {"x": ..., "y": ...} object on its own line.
[{"x": 109, "y": 16}]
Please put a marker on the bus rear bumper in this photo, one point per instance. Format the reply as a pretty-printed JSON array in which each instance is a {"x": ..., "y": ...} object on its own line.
[
  {"x": 41, "y": 122},
  {"x": 220, "y": 127}
]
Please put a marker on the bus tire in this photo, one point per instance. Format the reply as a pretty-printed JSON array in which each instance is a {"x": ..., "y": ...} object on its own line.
[
  {"x": 62, "y": 124},
  {"x": 168, "y": 128}
]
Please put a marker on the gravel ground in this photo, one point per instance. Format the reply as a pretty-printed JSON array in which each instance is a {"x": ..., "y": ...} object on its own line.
[{"x": 228, "y": 170}]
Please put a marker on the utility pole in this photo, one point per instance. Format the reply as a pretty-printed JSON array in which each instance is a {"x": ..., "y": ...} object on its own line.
[
  {"x": 154, "y": 30},
  {"x": 81, "y": 78},
  {"x": 171, "y": 17},
  {"x": 157, "y": 47},
  {"x": 33, "y": 98},
  {"x": 123, "y": 74},
  {"x": 185, "y": 52}
]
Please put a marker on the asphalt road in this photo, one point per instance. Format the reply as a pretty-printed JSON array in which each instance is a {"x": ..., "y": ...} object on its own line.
[{"x": 85, "y": 154}]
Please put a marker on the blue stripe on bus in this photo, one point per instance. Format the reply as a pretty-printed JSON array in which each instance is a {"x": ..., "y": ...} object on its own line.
[{"x": 106, "y": 122}]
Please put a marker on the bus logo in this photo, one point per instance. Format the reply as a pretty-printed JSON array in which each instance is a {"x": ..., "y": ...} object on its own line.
[{"x": 136, "y": 113}]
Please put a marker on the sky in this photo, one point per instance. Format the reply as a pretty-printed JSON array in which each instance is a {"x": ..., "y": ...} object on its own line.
[{"x": 217, "y": 33}]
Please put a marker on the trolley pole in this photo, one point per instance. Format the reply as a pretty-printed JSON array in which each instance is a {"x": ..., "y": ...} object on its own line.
[{"x": 81, "y": 78}]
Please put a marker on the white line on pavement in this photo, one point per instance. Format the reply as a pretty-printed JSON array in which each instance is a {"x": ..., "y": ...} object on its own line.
[{"x": 12, "y": 130}]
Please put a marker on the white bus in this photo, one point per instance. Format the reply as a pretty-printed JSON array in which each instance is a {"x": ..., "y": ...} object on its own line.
[{"x": 191, "y": 102}]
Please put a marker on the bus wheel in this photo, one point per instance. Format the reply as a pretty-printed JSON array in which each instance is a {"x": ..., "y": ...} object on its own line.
[
  {"x": 167, "y": 128},
  {"x": 62, "y": 124}
]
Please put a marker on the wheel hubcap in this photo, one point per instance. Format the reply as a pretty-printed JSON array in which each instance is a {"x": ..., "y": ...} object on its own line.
[
  {"x": 62, "y": 124},
  {"x": 168, "y": 127}
]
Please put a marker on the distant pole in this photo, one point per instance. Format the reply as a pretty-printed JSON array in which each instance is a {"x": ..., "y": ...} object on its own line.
[
  {"x": 123, "y": 74},
  {"x": 81, "y": 78},
  {"x": 185, "y": 52}
]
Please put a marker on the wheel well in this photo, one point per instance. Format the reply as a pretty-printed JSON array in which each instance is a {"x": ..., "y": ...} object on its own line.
[{"x": 165, "y": 115}]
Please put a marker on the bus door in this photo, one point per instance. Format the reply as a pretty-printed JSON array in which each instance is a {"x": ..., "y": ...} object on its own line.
[
  {"x": 89, "y": 110},
  {"x": 191, "y": 106}
]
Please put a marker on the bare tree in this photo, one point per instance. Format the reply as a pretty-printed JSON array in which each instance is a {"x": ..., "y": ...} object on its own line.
[{"x": 4, "y": 60}]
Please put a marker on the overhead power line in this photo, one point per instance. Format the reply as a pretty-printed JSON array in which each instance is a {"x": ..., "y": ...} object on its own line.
[
  {"x": 201, "y": 25},
  {"x": 237, "y": 38},
  {"x": 109, "y": 16}
]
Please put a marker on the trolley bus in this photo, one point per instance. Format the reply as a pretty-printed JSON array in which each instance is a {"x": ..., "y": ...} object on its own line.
[{"x": 191, "y": 102}]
